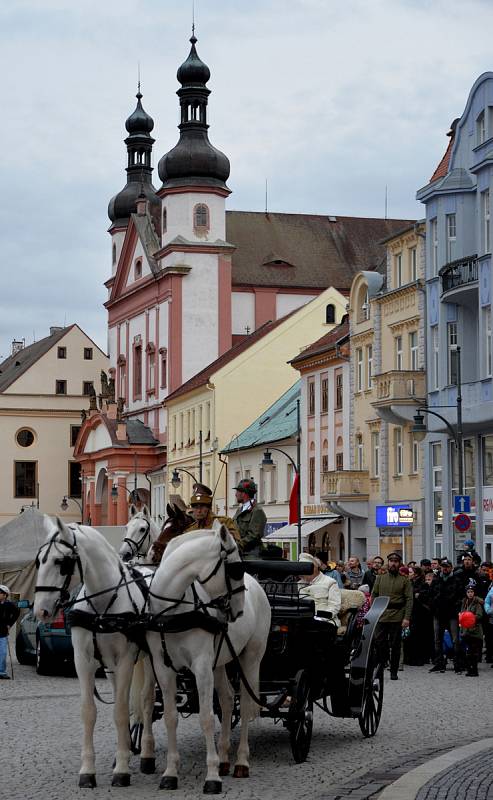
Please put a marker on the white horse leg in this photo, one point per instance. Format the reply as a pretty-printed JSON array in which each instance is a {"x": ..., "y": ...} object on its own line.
[
  {"x": 167, "y": 683},
  {"x": 250, "y": 664},
  {"x": 205, "y": 687},
  {"x": 148, "y": 755},
  {"x": 123, "y": 676},
  {"x": 86, "y": 669},
  {"x": 226, "y": 701}
]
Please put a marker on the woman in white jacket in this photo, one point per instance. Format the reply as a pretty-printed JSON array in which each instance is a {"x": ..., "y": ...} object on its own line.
[{"x": 322, "y": 589}]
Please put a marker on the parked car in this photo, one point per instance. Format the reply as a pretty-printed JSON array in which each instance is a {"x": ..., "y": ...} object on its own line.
[{"x": 48, "y": 645}]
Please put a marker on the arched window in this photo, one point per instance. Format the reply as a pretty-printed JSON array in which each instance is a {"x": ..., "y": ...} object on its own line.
[
  {"x": 165, "y": 219},
  {"x": 113, "y": 255},
  {"x": 363, "y": 305},
  {"x": 330, "y": 314},
  {"x": 201, "y": 217},
  {"x": 138, "y": 269}
]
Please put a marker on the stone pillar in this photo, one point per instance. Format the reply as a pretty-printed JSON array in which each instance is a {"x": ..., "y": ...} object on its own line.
[
  {"x": 92, "y": 502},
  {"x": 122, "y": 505},
  {"x": 112, "y": 501}
]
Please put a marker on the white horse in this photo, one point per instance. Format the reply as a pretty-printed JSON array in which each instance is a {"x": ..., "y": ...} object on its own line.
[
  {"x": 80, "y": 553},
  {"x": 141, "y": 533},
  {"x": 211, "y": 559}
]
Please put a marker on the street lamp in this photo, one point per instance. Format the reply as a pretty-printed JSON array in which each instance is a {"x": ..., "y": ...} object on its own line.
[
  {"x": 132, "y": 492},
  {"x": 419, "y": 428},
  {"x": 175, "y": 478},
  {"x": 64, "y": 504},
  {"x": 268, "y": 466}
]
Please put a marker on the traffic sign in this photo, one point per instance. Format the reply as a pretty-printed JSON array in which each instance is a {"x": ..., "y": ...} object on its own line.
[
  {"x": 462, "y": 522},
  {"x": 462, "y": 504}
]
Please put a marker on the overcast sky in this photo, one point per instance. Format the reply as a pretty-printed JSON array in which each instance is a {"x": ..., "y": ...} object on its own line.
[{"x": 328, "y": 100}]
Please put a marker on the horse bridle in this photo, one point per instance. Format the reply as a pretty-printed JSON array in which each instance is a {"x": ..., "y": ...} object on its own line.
[
  {"x": 137, "y": 545},
  {"x": 232, "y": 571},
  {"x": 67, "y": 565}
]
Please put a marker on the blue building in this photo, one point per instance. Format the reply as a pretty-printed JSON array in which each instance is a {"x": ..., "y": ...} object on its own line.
[{"x": 458, "y": 301}]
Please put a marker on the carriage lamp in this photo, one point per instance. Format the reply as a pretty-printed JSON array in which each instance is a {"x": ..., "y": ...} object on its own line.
[
  {"x": 267, "y": 462},
  {"x": 419, "y": 428},
  {"x": 64, "y": 504},
  {"x": 175, "y": 479}
]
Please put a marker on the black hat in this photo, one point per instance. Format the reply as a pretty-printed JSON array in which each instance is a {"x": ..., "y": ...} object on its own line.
[
  {"x": 425, "y": 562},
  {"x": 394, "y": 555}
]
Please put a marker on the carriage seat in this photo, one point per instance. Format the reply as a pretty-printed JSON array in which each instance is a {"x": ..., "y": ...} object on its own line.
[{"x": 352, "y": 600}]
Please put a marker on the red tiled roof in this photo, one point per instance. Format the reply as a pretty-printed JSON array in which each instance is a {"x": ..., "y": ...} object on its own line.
[
  {"x": 201, "y": 378},
  {"x": 325, "y": 343},
  {"x": 443, "y": 166}
]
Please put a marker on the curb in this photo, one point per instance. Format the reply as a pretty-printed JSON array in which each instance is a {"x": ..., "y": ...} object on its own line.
[{"x": 407, "y": 786}]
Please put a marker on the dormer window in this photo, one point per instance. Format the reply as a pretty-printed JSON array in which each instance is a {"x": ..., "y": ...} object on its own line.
[
  {"x": 330, "y": 314},
  {"x": 138, "y": 269},
  {"x": 201, "y": 217},
  {"x": 363, "y": 305}
]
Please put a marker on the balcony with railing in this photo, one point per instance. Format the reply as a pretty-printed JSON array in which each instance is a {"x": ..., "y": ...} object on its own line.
[
  {"x": 460, "y": 277},
  {"x": 346, "y": 491},
  {"x": 398, "y": 392}
]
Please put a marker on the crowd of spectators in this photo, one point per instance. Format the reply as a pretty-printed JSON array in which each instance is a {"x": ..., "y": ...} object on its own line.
[{"x": 452, "y": 610}]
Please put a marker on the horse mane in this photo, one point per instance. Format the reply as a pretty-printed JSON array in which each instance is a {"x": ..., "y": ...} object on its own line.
[{"x": 190, "y": 537}]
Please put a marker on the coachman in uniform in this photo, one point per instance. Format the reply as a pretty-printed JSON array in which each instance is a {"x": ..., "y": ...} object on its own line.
[
  {"x": 201, "y": 505},
  {"x": 249, "y": 518}
]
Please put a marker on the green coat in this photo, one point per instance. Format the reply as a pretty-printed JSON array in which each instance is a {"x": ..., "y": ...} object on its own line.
[
  {"x": 251, "y": 524},
  {"x": 399, "y": 590}
]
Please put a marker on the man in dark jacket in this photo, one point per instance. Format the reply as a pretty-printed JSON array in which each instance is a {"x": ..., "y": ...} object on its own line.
[
  {"x": 397, "y": 614},
  {"x": 249, "y": 518},
  {"x": 373, "y": 570},
  {"x": 8, "y": 615},
  {"x": 468, "y": 572},
  {"x": 445, "y": 602}
]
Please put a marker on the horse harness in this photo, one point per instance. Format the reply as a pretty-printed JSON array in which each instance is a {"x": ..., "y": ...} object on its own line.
[{"x": 136, "y": 546}]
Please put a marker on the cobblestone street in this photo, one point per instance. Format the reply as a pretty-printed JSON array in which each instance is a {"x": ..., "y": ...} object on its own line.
[{"x": 41, "y": 733}]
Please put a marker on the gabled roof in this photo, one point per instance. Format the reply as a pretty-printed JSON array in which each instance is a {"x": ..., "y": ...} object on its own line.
[
  {"x": 16, "y": 365},
  {"x": 319, "y": 250},
  {"x": 326, "y": 342},
  {"x": 444, "y": 164},
  {"x": 277, "y": 423},
  {"x": 202, "y": 377}
]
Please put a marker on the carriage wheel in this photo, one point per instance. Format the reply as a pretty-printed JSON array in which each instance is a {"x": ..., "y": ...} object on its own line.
[
  {"x": 300, "y": 718},
  {"x": 371, "y": 708}
]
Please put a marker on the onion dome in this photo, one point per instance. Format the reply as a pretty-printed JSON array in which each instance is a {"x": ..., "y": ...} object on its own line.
[
  {"x": 194, "y": 160},
  {"x": 140, "y": 121},
  {"x": 139, "y": 171},
  {"x": 193, "y": 70}
]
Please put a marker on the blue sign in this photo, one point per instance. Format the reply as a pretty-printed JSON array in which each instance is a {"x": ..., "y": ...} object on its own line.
[
  {"x": 271, "y": 527},
  {"x": 462, "y": 504},
  {"x": 394, "y": 516}
]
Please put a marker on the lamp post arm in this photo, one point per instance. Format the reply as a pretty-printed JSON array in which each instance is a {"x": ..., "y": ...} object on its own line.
[
  {"x": 445, "y": 421},
  {"x": 278, "y": 449},
  {"x": 182, "y": 469}
]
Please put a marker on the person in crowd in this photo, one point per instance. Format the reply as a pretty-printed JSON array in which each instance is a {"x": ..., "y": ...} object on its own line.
[
  {"x": 425, "y": 565},
  {"x": 468, "y": 548},
  {"x": 412, "y": 563},
  {"x": 328, "y": 568},
  {"x": 249, "y": 518},
  {"x": 341, "y": 569},
  {"x": 375, "y": 564},
  {"x": 403, "y": 570},
  {"x": 201, "y": 507},
  {"x": 435, "y": 565},
  {"x": 397, "y": 614},
  {"x": 445, "y": 602},
  {"x": 472, "y": 637},
  {"x": 8, "y": 615},
  {"x": 469, "y": 572},
  {"x": 354, "y": 573},
  {"x": 323, "y": 590},
  {"x": 418, "y": 647},
  {"x": 488, "y": 613}
]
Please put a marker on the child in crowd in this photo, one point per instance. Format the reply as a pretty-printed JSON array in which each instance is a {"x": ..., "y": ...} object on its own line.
[{"x": 472, "y": 637}]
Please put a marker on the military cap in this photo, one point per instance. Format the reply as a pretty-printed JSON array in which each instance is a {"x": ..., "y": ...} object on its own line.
[
  {"x": 202, "y": 495},
  {"x": 394, "y": 555}
]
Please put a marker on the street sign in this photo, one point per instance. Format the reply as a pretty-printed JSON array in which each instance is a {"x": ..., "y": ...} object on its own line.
[
  {"x": 462, "y": 504},
  {"x": 462, "y": 522}
]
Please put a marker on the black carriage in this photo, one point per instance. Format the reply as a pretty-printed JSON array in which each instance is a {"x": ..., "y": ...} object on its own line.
[{"x": 305, "y": 663}]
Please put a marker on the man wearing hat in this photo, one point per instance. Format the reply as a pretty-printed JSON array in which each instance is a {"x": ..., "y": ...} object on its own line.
[
  {"x": 8, "y": 615},
  {"x": 398, "y": 589},
  {"x": 201, "y": 504},
  {"x": 323, "y": 590},
  {"x": 249, "y": 518}
]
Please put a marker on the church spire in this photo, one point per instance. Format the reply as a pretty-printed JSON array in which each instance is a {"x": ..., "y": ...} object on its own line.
[
  {"x": 139, "y": 170},
  {"x": 194, "y": 160}
]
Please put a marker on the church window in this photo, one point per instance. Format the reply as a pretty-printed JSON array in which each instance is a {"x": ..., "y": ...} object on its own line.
[
  {"x": 137, "y": 371},
  {"x": 24, "y": 437},
  {"x": 164, "y": 367},
  {"x": 201, "y": 216},
  {"x": 113, "y": 257},
  {"x": 74, "y": 481},
  {"x": 25, "y": 478},
  {"x": 151, "y": 361},
  {"x": 330, "y": 314},
  {"x": 165, "y": 219},
  {"x": 138, "y": 269}
]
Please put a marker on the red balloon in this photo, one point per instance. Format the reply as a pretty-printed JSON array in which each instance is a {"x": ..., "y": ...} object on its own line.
[{"x": 467, "y": 619}]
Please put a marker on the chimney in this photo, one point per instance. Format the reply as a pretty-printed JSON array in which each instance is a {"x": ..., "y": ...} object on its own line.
[
  {"x": 56, "y": 329},
  {"x": 121, "y": 432},
  {"x": 18, "y": 345}
]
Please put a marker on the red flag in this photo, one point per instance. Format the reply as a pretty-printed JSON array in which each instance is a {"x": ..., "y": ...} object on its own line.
[{"x": 293, "y": 500}]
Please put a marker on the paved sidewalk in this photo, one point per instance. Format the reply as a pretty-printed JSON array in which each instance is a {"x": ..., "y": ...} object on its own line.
[{"x": 470, "y": 779}]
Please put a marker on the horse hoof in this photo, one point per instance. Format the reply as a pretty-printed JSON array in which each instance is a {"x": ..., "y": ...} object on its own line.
[
  {"x": 87, "y": 781},
  {"x": 120, "y": 779},
  {"x": 213, "y": 787},
  {"x": 224, "y": 768},
  {"x": 169, "y": 782},
  {"x": 148, "y": 766},
  {"x": 241, "y": 771}
]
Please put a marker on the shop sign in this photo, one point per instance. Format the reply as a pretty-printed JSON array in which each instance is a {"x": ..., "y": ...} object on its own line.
[
  {"x": 314, "y": 511},
  {"x": 397, "y": 516},
  {"x": 488, "y": 504},
  {"x": 273, "y": 526}
]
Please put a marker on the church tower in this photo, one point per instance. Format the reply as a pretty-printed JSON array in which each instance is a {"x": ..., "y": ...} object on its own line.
[
  {"x": 139, "y": 179},
  {"x": 193, "y": 222}
]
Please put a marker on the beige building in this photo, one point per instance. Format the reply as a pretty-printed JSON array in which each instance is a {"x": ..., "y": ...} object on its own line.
[
  {"x": 381, "y": 491},
  {"x": 43, "y": 389},
  {"x": 229, "y": 394}
]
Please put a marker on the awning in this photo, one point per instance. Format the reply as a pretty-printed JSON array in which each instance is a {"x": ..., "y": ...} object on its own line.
[{"x": 290, "y": 532}]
